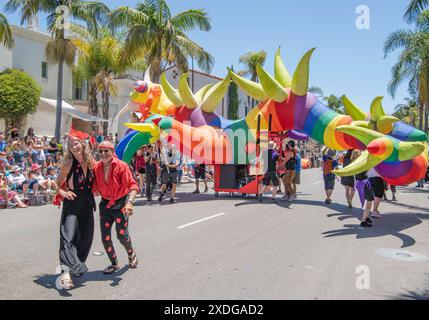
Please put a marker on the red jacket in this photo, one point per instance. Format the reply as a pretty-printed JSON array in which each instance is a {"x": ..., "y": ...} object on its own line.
[{"x": 120, "y": 181}]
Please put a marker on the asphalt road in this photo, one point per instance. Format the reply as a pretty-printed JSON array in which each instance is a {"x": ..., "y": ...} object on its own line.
[{"x": 231, "y": 248}]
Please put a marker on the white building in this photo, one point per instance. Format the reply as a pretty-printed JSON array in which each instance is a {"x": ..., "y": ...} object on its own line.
[{"x": 28, "y": 55}]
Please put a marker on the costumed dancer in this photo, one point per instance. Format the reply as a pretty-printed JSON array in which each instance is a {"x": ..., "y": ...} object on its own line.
[
  {"x": 118, "y": 189},
  {"x": 77, "y": 220},
  {"x": 365, "y": 191}
]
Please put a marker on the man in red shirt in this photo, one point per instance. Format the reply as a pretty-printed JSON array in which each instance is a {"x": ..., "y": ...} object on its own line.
[{"x": 118, "y": 189}]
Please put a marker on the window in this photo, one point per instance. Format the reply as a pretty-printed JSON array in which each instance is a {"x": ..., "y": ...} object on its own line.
[{"x": 44, "y": 70}]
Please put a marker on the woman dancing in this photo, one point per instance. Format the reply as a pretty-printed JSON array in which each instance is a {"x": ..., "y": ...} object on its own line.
[{"x": 77, "y": 220}]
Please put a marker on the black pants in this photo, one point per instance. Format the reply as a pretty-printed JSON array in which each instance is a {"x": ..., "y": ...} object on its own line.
[
  {"x": 76, "y": 233},
  {"x": 150, "y": 182},
  {"x": 107, "y": 218}
]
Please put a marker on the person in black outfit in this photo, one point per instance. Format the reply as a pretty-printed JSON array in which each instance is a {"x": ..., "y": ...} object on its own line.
[
  {"x": 366, "y": 193},
  {"x": 349, "y": 181},
  {"x": 200, "y": 173},
  {"x": 76, "y": 179},
  {"x": 151, "y": 159},
  {"x": 271, "y": 157}
]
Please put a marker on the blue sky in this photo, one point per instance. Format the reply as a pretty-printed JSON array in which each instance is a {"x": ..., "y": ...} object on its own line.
[{"x": 347, "y": 60}]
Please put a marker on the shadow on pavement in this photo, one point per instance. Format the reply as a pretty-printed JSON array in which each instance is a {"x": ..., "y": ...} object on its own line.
[
  {"x": 48, "y": 281},
  {"x": 392, "y": 224},
  {"x": 420, "y": 294}
]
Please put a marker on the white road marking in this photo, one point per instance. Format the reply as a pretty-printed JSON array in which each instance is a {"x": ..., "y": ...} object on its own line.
[
  {"x": 318, "y": 182},
  {"x": 201, "y": 220}
]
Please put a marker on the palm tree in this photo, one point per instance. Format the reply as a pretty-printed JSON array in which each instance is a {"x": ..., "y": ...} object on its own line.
[
  {"x": 250, "y": 61},
  {"x": 153, "y": 32},
  {"x": 414, "y": 9},
  {"x": 334, "y": 103},
  {"x": 99, "y": 53},
  {"x": 59, "y": 50},
  {"x": 317, "y": 91},
  {"x": 6, "y": 33},
  {"x": 407, "y": 112},
  {"x": 413, "y": 63}
]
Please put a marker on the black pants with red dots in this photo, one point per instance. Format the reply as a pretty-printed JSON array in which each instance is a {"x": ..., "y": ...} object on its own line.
[{"x": 107, "y": 218}]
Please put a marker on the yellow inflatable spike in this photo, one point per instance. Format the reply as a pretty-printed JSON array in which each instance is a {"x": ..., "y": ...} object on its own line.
[
  {"x": 302, "y": 74},
  {"x": 280, "y": 72},
  {"x": 253, "y": 89},
  {"x": 365, "y": 162},
  {"x": 170, "y": 92},
  {"x": 186, "y": 93},
  {"x": 215, "y": 94},
  {"x": 352, "y": 110},
  {"x": 199, "y": 96},
  {"x": 385, "y": 124},
  {"x": 377, "y": 110},
  {"x": 410, "y": 150},
  {"x": 144, "y": 127},
  {"x": 271, "y": 86}
]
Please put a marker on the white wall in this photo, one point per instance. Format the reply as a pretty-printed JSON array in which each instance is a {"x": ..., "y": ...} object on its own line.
[
  {"x": 28, "y": 54},
  {"x": 5, "y": 58}
]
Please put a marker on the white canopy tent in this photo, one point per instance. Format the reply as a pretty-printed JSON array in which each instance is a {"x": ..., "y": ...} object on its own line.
[{"x": 72, "y": 111}]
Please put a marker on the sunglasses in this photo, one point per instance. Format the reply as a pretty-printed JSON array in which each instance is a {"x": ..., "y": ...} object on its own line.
[{"x": 103, "y": 150}]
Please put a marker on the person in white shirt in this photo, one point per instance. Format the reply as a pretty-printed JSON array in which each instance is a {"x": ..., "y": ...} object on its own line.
[{"x": 18, "y": 180}]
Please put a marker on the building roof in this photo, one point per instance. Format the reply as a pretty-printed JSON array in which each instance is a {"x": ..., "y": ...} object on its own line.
[{"x": 198, "y": 72}]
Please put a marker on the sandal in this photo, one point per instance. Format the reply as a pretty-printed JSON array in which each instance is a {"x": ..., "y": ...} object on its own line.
[
  {"x": 133, "y": 261},
  {"x": 66, "y": 282},
  {"x": 111, "y": 269}
]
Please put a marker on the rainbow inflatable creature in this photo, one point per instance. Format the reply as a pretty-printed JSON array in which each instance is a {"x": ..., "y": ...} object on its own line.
[{"x": 397, "y": 151}]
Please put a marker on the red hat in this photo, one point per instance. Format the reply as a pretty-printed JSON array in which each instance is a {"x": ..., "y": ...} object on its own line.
[
  {"x": 35, "y": 167},
  {"x": 77, "y": 134}
]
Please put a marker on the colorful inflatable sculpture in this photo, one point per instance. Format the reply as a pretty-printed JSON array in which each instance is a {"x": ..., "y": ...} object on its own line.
[{"x": 397, "y": 151}]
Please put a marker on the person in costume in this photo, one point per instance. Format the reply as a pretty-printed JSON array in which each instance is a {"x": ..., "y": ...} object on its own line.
[
  {"x": 349, "y": 181},
  {"x": 115, "y": 183},
  {"x": 365, "y": 191},
  {"x": 77, "y": 220}
]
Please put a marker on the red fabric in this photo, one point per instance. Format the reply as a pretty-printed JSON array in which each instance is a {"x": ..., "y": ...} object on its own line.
[
  {"x": 120, "y": 181},
  {"x": 77, "y": 134},
  {"x": 140, "y": 163}
]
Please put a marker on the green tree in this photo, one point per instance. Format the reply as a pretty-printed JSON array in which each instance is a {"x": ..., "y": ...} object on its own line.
[
  {"x": 250, "y": 61},
  {"x": 161, "y": 38},
  {"x": 6, "y": 33},
  {"x": 413, "y": 63},
  {"x": 19, "y": 96},
  {"x": 59, "y": 50},
  {"x": 318, "y": 92},
  {"x": 234, "y": 102},
  {"x": 414, "y": 9},
  {"x": 408, "y": 112},
  {"x": 334, "y": 103}
]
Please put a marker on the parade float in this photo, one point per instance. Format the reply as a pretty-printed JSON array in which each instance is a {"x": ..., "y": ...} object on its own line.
[{"x": 397, "y": 151}]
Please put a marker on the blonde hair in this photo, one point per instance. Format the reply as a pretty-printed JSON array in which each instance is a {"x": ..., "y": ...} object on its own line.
[{"x": 87, "y": 154}]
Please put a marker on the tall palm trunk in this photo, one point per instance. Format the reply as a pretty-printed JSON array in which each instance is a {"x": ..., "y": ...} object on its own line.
[
  {"x": 93, "y": 104},
  {"x": 421, "y": 111},
  {"x": 59, "y": 108},
  {"x": 105, "y": 109}
]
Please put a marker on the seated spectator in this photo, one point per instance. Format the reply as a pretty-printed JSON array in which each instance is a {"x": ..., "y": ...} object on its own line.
[
  {"x": 6, "y": 196},
  {"x": 37, "y": 180},
  {"x": 18, "y": 181},
  {"x": 51, "y": 173}
]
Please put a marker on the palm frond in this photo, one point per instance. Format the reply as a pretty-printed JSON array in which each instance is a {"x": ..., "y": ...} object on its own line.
[
  {"x": 6, "y": 33},
  {"x": 191, "y": 19}
]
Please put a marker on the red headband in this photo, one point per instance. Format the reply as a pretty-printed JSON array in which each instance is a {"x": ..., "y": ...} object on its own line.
[{"x": 106, "y": 147}]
